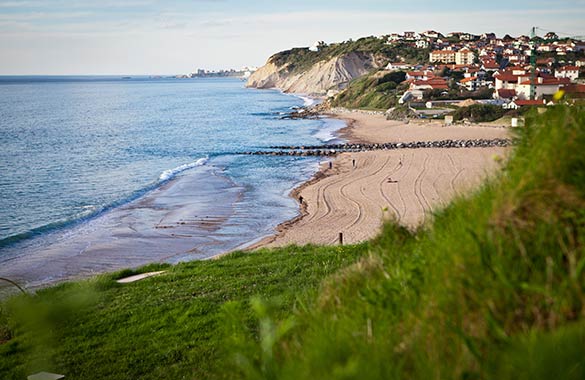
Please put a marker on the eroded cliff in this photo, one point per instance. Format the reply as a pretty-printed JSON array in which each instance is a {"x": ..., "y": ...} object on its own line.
[{"x": 320, "y": 78}]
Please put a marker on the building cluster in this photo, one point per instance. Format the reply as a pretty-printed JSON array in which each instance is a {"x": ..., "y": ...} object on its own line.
[
  {"x": 516, "y": 69},
  {"x": 244, "y": 72}
]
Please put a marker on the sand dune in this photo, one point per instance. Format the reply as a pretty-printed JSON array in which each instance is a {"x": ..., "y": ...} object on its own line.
[{"x": 402, "y": 184}]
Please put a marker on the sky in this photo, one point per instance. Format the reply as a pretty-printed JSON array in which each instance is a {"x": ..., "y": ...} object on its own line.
[{"x": 133, "y": 37}]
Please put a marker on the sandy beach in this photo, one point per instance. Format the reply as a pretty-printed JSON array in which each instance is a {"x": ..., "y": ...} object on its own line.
[{"x": 363, "y": 189}]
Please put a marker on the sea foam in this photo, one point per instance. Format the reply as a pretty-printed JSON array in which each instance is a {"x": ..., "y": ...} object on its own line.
[{"x": 170, "y": 173}]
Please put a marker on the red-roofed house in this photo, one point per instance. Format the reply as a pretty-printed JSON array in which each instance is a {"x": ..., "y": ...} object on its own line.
[
  {"x": 473, "y": 83},
  {"x": 505, "y": 94},
  {"x": 489, "y": 65},
  {"x": 543, "y": 86},
  {"x": 469, "y": 83},
  {"x": 515, "y": 104},
  {"x": 419, "y": 75},
  {"x": 418, "y": 87}
]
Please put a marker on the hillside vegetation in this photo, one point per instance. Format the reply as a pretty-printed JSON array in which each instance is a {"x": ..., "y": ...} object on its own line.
[
  {"x": 493, "y": 288},
  {"x": 330, "y": 68},
  {"x": 301, "y": 59},
  {"x": 375, "y": 91}
]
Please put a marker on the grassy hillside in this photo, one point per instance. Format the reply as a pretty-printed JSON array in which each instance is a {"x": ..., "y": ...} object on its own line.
[
  {"x": 301, "y": 59},
  {"x": 493, "y": 289},
  {"x": 168, "y": 327},
  {"x": 377, "y": 91}
]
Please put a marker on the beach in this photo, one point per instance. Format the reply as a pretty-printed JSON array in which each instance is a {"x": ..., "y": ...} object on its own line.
[
  {"x": 150, "y": 171},
  {"x": 360, "y": 190}
]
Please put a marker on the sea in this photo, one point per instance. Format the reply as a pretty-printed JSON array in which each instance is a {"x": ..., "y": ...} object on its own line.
[{"x": 100, "y": 173}]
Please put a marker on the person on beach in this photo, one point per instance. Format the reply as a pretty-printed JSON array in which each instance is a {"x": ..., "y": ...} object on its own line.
[
  {"x": 300, "y": 199},
  {"x": 353, "y": 162}
]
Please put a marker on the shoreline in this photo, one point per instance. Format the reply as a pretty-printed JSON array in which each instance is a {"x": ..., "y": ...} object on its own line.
[
  {"x": 152, "y": 228},
  {"x": 331, "y": 193},
  {"x": 284, "y": 233}
]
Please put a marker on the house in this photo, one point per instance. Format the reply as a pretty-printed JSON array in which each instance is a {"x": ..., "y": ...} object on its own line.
[
  {"x": 396, "y": 66},
  {"x": 505, "y": 94},
  {"x": 580, "y": 63},
  {"x": 546, "y": 48},
  {"x": 551, "y": 36},
  {"x": 470, "y": 84},
  {"x": 410, "y": 36},
  {"x": 419, "y": 75},
  {"x": 506, "y": 80},
  {"x": 543, "y": 87},
  {"x": 418, "y": 87},
  {"x": 571, "y": 72},
  {"x": 488, "y": 36},
  {"x": 431, "y": 34},
  {"x": 422, "y": 44},
  {"x": 444, "y": 56},
  {"x": 515, "y": 104},
  {"x": 467, "y": 37},
  {"x": 464, "y": 57}
]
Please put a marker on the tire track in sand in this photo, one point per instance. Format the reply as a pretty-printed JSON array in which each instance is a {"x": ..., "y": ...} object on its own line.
[
  {"x": 362, "y": 213},
  {"x": 384, "y": 196},
  {"x": 418, "y": 193}
]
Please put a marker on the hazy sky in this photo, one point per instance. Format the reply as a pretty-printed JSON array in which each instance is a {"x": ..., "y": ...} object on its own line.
[{"x": 179, "y": 36}]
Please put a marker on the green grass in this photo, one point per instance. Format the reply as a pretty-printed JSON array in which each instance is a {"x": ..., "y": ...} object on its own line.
[
  {"x": 166, "y": 327},
  {"x": 301, "y": 59},
  {"x": 371, "y": 92},
  {"x": 494, "y": 288}
]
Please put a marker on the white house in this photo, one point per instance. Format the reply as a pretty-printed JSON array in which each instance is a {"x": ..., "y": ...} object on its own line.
[
  {"x": 431, "y": 34},
  {"x": 419, "y": 75},
  {"x": 543, "y": 86},
  {"x": 422, "y": 44},
  {"x": 396, "y": 66},
  {"x": 515, "y": 104},
  {"x": 571, "y": 72}
]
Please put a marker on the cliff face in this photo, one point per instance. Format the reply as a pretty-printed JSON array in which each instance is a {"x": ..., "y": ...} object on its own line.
[{"x": 320, "y": 78}]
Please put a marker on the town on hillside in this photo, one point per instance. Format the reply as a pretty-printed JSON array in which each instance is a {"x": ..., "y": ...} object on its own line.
[{"x": 509, "y": 71}]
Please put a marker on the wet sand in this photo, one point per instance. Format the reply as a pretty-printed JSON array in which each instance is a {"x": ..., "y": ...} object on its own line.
[
  {"x": 170, "y": 224},
  {"x": 404, "y": 185}
]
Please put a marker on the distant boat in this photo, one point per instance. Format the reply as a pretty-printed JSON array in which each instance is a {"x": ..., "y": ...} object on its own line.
[{"x": 126, "y": 78}]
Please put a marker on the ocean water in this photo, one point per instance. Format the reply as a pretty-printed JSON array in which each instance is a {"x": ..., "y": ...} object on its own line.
[{"x": 84, "y": 158}]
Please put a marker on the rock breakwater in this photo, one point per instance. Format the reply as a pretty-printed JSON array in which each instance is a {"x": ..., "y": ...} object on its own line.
[{"x": 334, "y": 149}]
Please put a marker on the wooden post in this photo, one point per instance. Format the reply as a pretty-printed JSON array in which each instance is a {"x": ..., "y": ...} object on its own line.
[{"x": 341, "y": 238}]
